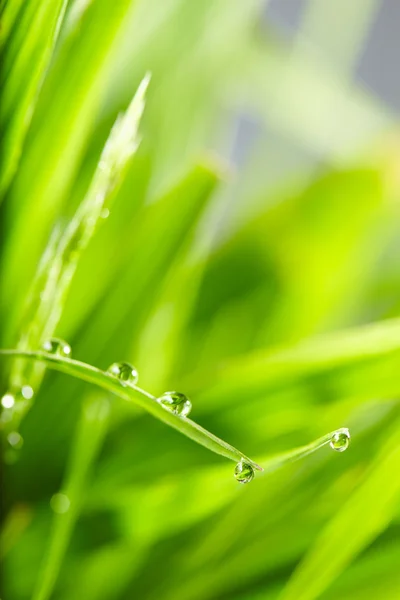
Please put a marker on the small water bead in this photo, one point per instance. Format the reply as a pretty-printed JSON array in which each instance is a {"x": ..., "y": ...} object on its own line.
[
  {"x": 58, "y": 347},
  {"x": 176, "y": 402},
  {"x": 244, "y": 472},
  {"x": 7, "y": 401},
  {"x": 15, "y": 440},
  {"x": 27, "y": 392},
  {"x": 124, "y": 372},
  {"x": 60, "y": 503},
  {"x": 340, "y": 440}
]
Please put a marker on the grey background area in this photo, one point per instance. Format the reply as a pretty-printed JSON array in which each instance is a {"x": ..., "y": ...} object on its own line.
[{"x": 378, "y": 67}]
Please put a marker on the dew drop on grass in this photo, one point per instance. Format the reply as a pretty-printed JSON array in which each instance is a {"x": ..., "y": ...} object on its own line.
[
  {"x": 124, "y": 372},
  {"x": 27, "y": 392},
  {"x": 58, "y": 347},
  {"x": 340, "y": 440},
  {"x": 60, "y": 503},
  {"x": 176, "y": 402},
  {"x": 7, "y": 401},
  {"x": 244, "y": 472},
  {"x": 15, "y": 440}
]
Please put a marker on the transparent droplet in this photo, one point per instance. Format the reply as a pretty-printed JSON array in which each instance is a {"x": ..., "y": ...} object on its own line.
[
  {"x": 60, "y": 503},
  {"x": 244, "y": 472},
  {"x": 7, "y": 401},
  {"x": 124, "y": 372},
  {"x": 105, "y": 213},
  {"x": 176, "y": 402},
  {"x": 340, "y": 440},
  {"x": 27, "y": 392},
  {"x": 15, "y": 440},
  {"x": 58, "y": 347}
]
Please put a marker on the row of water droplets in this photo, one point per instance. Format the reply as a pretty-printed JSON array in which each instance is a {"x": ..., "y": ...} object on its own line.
[{"x": 175, "y": 402}]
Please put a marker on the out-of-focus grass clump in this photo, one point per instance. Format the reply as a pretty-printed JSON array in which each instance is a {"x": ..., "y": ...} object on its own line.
[{"x": 246, "y": 255}]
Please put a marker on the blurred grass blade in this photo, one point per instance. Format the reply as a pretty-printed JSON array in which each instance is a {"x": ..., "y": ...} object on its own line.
[
  {"x": 60, "y": 260},
  {"x": 26, "y": 59},
  {"x": 162, "y": 230},
  {"x": 90, "y": 433},
  {"x": 364, "y": 515},
  {"x": 273, "y": 463},
  {"x": 138, "y": 396},
  {"x": 360, "y": 363},
  {"x": 68, "y": 104}
]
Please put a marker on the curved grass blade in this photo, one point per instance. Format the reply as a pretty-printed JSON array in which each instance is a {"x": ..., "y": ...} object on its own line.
[
  {"x": 140, "y": 397},
  {"x": 61, "y": 257},
  {"x": 362, "y": 518},
  {"x": 280, "y": 460}
]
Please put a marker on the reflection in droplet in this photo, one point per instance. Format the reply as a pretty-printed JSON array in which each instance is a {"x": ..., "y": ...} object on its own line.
[
  {"x": 15, "y": 440},
  {"x": 60, "y": 503},
  {"x": 7, "y": 401},
  {"x": 176, "y": 402},
  {"x": 244, "y": 472},
  {"x": 340, "y": 440},
  {"x": 125, "y": 372},
  {"x": 58, "y": 347},
  {"x": 27, "y": 392}
]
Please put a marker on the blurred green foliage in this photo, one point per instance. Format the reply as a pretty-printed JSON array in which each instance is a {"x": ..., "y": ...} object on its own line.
[{"x": 262, "y": 280}]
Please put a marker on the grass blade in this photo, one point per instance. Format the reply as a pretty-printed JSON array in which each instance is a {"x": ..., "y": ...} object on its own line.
[
  {"x": 367, "y": 512},
  {"x": 90, "y": 433},
  {"x": 138, "y": 396}
]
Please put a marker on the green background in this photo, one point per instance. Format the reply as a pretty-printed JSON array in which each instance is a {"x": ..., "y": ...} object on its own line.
[{"x": 250, "y": 260}]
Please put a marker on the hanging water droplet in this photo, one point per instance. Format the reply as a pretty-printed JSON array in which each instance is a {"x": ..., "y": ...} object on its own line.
[
  {"x": 340, "y": 440},
  {"x": 15, "y": 440},
  {"x": 7, "y": 401},
  {"x": 124, "y": 372},
  {"x": 58, "y": 347},
  {"x": 60, "y": 503},
  {"x": 244, "y": 472},
  {"x": 27, "y": 392},
  {"x": 176, "y": 402}
]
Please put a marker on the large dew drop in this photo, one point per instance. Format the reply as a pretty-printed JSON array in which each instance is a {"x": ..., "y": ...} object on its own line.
[
  {"x": 244, "y": 472},
  {"x": 176, "y": 402},
  {"x": 7, "y": 401},
  {"x": 124, "y": 372},
  {"x": 340, "y": 440},
  {"x": 15, "y": 440},
  {"x": 60, "y": 503},
  {"x": 58, "y": 347}
]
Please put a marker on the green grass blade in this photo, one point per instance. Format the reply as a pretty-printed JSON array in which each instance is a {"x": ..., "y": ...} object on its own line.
[
  {"x": 90, "y": 433},
  {"x": 364, "y": 515},
  {"x": 25, "y": 74},
  {"x": 138, "y": 396},
  {"x": 361, "y": 363},
  {"x": 60, "y": 260}
]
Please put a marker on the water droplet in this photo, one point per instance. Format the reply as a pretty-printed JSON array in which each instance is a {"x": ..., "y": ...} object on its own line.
[
  {"x": 7, "y": 401},
  {"x": 124, "y": 372},
  {"x": 176, "y": 402},
  {"x": 340, "y": 440},
  {"x": 58, "y": 347},
  {"x": 15, "y": 440},
  {"x": 105, "y": 213},
  {"x": 244, "y": 472},
  {"x": 60, "y": 503},
  {"x": 27, "y": 392}
]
